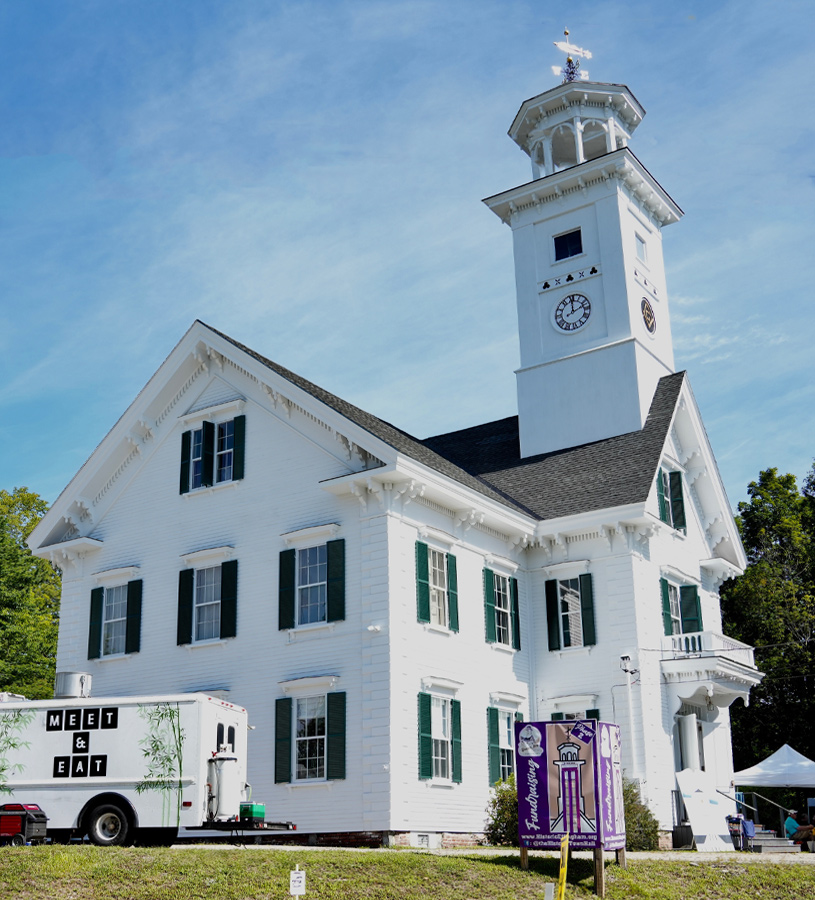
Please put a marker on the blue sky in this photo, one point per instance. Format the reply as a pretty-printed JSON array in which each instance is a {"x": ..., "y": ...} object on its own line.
[{"x": 307, "y": 177}]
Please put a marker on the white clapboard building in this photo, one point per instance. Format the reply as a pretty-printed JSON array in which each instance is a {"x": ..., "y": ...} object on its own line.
[{"x": 386, "y": 607}]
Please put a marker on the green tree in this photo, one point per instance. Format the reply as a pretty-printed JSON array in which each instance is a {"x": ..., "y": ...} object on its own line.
[
  {"x": 772, "y": 607},
  {"x": 29, "y": 600}
]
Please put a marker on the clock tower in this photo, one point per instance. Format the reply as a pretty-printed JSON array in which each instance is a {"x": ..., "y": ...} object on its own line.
[{"x": 587, "y": 233}]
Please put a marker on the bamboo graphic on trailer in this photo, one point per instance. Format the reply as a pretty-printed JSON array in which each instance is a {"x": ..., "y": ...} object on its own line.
[
  {"x": 12, "y": 724},
  {"x": 163, "y": 749}
]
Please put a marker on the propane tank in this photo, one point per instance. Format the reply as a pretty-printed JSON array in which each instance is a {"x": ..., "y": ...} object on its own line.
[{"x": 225, "y": 787}]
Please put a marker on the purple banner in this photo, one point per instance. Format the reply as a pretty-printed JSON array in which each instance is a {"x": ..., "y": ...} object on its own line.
[{"x": 569, "y": 779}]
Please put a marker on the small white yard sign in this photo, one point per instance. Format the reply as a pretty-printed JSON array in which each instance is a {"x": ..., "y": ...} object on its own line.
[{"x": 297, "y": 882}]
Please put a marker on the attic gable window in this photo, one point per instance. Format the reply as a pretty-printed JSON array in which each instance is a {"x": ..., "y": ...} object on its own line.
[
  {"x": 671, "y": 499},
  {"x": 212, "y": 454}
]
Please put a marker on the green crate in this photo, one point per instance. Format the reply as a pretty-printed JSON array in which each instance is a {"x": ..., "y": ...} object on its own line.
[{"x": 253, "y": 811}]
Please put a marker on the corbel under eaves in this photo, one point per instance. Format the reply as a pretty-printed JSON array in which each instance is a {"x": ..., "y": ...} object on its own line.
[
  {"x": 409, "y": 490},
  {"x": 217, "y": 357},
  {"x": 466, "y": 518},
  {"x": 199, "y": 354},
  {"x": 361, "y": 493},
  {"x": 278, "y": 399},
  {"x": 610, "y": 531},
  {"x": 519, "y": 542}
]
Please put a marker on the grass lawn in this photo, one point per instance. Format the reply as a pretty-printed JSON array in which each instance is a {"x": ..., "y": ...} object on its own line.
[{"x": 235, "y": 873}]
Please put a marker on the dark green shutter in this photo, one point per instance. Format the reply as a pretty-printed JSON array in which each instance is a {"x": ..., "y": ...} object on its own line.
[
  {"x": 186, "y": 449},
  {"x": 422, "y": 584},
  {"x": 489, "y": 605},
  {"x": 133, "y": 626},
  {"x": 667, "y": 622},
  {"x": 335, "y": 735},
  {"x": 186, "y": 586},
  {"x": 587, "y": 610},
  {"x": 452, "y": 592},
  {"x": 515, "y": 614},
  {"x": 552, "y": 619},
  {"x": 287, "y": 577},
  {"x": 335, "y": 588},
  {"x": 493, "y": 744},
  {"x": 557, "y": 717},
  {"x": 691, "y": 609},
  {"x": 519, "y": 717},
  {"x": 238, "y": 447},
  {"x": 677, "y": 501},
  {"x": 95, "y": 625},
  {"x": 229, "y": 598},
  {"x": 661, "y": 498},
  {"x": 282, "y": 740},
  {"x": 425, "y": 737},
  {"x": 207, "y": 454},
  {"x": 592, "y": 713},
  {"x": 455, "y": 721}
]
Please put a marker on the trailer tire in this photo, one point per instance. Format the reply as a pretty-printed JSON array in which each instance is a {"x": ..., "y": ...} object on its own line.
[
  {"x": 17, "y": 840},
  {"x": 108, "y": 826}
]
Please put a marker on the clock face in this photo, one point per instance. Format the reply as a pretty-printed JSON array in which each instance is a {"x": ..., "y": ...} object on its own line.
[
  {"x": 648, "y": 316},
  {"x": 572, "y": 312}
]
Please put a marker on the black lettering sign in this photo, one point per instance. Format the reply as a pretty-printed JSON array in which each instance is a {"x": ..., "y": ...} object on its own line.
[
  {"x": 79, "y": 766},
  {"x": 73, "y": 719},
  {"x": 62, "y": 766},
  {"x": 53, "y": 720},
  {"x": 110, "y": 717},
  {"x": 99, "y": 766},
  {"x": 81, "y": 741},
  {"x": 90, "y": 719}
]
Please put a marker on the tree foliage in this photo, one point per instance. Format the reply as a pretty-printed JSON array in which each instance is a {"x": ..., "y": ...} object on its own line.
[
  {"x": 772, "y": 607},
  {"x": 641, "y": 826},
  {"x": 501, "y": 827},
  {"x": 29, "y": 600}
]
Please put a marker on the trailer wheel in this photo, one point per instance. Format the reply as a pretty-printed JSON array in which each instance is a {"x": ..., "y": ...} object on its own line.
[
  {"x": 108, "y": 826},
  {"x": 17, "y": 840}
]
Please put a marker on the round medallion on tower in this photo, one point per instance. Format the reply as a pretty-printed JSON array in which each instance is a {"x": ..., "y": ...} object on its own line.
[
  {"x": 648, "y": 316},
  {"x": 572, "y": 313}
]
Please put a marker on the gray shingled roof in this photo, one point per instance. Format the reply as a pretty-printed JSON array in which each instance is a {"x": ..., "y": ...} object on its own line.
[{"x": 613, "y": 472}]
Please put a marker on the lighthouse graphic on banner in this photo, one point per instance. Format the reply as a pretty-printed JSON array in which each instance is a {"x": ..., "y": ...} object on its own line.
[{"x": 571, "y": 805}]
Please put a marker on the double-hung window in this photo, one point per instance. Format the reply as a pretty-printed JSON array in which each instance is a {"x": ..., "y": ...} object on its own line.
[
  {"x": 212, "y": 453},
  {"x": 436, "y": 587},
  {"x": 568, "y": 244},
  {"x": 681, "y": 608},
  {"x": 501, "y": 742},
  {"x": 439, "y": 738},
  {"x": 115, "y": 620},
  {"x": 502, "y": 620},
  {"x": 310, "y": 738},
  {"x": 207, "y": 603},
  {"x": 570, "y": 612},
  {"x": 312, "y": 585},
  {"x": 671, "y": 499}
]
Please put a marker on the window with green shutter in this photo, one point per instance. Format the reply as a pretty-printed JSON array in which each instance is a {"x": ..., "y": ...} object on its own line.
[
  {"x": 681, "y": 608},
  {"x": 283, "y": 740},
  {"x": 502, "y": 622},
  {"x": 440, "y": 755},
  {"x": 310, "y": 738},
  {"x": 213, "y": 453},
  {"x": 570, "y": 612},
  {"x": 311, "y": 585},
  {"x": 501, "y": 743},
  {"x": 207, "y": 603},
  {"x": 671, "y": 500},
  {"x": 115, "y": 620},
  {"x": 436, "y": 587}
]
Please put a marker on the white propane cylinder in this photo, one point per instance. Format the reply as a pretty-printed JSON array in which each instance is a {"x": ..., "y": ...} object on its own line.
[{"x": 225, "y": 802}]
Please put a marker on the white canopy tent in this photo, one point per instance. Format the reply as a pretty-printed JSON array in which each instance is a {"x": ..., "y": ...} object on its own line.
[{"x": 784, "y": 768}]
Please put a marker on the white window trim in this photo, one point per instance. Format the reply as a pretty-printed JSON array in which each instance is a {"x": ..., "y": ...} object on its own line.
[
  {"x": 309, "y": 684},
  {"x": 113, "y": 577},
  {"x": 438, "y": 683},
  {"x": 216, "y": 414},
  {"x": 106, "y": 621},
  {"x": 205, "y": 489},
  {"x": 438, "y": 629},
  {"x": 294, "y": 739},
  {"x": 211, "y": 556},
  {"x": 554, "y": 260},
  {"x": 306, "y": 630},
  {"x": 443, "y": 541},
  {"x": 564, "y": 703},
  {"x": 298, "y": 587},
  {"x": 311, "y": 536},
  {"x": 678, "y": 577},
  {"x": 563, "y": 571},
  {"x": 500, "y": 699}
]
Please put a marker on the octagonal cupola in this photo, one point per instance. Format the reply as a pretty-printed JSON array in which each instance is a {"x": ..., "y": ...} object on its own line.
[{"x": 573, "y": 123}]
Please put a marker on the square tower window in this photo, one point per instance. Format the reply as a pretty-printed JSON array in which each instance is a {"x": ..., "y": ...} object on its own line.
[
  {"x": 641, "y": 248},
  {"x": 569, "y": 244}
]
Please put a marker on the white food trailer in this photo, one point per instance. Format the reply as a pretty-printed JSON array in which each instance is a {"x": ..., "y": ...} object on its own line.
[{"x": 119, "y": 769}]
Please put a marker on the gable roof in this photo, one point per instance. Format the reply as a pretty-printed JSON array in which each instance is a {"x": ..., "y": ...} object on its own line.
[
  {"x": 394, "y": 437},
  {"x": 608, "y": 473}
]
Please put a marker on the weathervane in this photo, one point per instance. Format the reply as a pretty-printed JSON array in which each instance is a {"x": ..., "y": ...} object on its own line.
[{"x": 571, "y": 70}]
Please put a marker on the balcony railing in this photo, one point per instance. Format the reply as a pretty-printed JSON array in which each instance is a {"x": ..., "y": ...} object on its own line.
[{"x": 707, "y": 643}]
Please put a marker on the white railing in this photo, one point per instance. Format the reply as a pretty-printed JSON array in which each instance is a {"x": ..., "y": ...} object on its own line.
[{"x": 707, "y": 643}]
